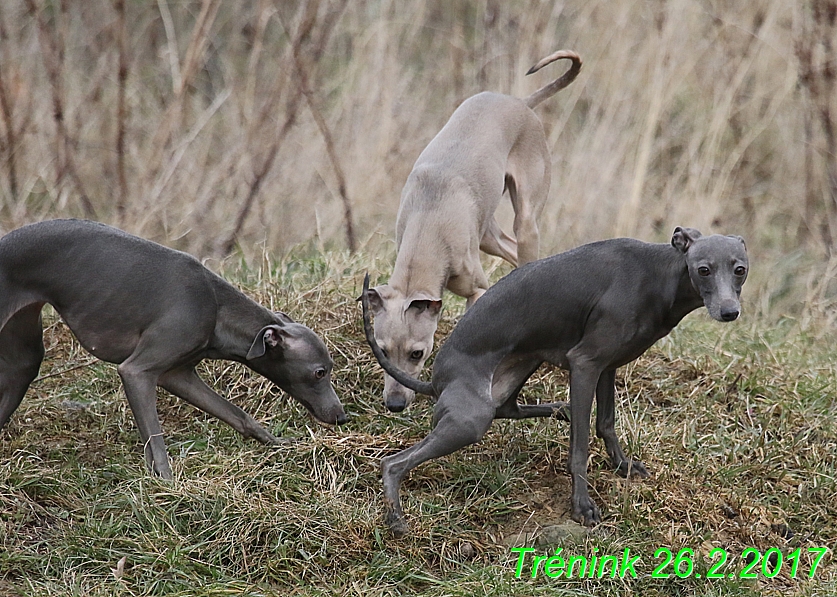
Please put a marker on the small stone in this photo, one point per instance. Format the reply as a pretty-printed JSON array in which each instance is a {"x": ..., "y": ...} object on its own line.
[
  {"x": 729, "y": 511},
  {"x": 73, "y": 406},
  {"x": 783, "y": 530},
  {"x": 467, "y": 550},
  {"x": 561, "y": 533}
]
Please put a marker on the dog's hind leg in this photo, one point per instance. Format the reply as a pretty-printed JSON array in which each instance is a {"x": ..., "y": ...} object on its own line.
[
  {"x": 461, "y": 417},
  {"x": 525, "y": 224},
  {"x": 511, "y": 409},
  {"x": 498, "y": 243},
  {"x": 515, "y": 377},
  {"x": 527, "y": 180},
  {"x": 21, "y": 353},
  {"x": 186, "y": 384},
  {"x": 605, "y": 421}
]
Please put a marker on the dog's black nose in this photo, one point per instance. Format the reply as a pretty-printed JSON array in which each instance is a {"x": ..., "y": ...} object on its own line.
[
  {"x": 397, "y": 406},
  {"x": 342, "y": 418},
  {"x": 730, "y": 315}
]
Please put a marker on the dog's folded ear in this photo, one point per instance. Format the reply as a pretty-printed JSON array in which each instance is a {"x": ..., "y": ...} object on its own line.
[
  {"x": 378, "y": 296},
  {"x": 284, "y": 317},
  {"x": 683, "y": 238},
  {"x": 269, "y": 336},
  {"x": 423, "y": 302}
]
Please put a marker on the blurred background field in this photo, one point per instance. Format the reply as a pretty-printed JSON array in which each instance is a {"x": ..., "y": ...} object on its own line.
[
  {"x": 272, "y": 138},
  {"x": 255, "y": 126}
]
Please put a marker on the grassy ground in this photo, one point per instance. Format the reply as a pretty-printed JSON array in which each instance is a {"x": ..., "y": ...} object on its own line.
[{"x": 737, "y": 423}]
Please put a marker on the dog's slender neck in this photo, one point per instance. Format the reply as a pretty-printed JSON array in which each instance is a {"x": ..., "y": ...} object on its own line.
[
  {"x": 414, "y": 272},
  {"x": 238, "y": 321},
  {"x": 686, "y": 298}
]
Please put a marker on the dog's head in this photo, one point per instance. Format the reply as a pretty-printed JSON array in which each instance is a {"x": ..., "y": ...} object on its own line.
[
  {"x": 294, "y": 358},
  {"x": 718, "y": 267},
  {"x": 404, "y": 329}
]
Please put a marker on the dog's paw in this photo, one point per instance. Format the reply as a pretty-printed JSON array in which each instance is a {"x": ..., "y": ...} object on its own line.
[
  {"x": 255, "y": 431},
  {"x": 632, "y": 468},
  {"x": 586, "y": 512},
  {"x": 163, "y": 473},
  {"x": 282, "y": 442},
  {"x": 396, "y": 523}
]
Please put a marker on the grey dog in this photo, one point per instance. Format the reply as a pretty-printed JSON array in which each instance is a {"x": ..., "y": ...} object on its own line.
[
  {"x": 589, "y": 310},
  {"x": 157, "y": 313}
]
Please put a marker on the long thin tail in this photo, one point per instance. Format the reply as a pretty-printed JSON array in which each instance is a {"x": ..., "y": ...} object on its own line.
[
  {"x": 558, "y": 84},
  {"x": 421, "y": 387}
]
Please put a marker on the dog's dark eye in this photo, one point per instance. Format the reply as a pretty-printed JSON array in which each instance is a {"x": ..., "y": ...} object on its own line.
[
  {"x": 703, "y": 270},
  {"x": 416, "y": 355},
  {"x": 740, "y": 270},
  {"x": 320, "y": 373}
]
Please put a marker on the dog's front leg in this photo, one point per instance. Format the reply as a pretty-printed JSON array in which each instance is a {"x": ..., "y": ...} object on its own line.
[
  {"x": 583, "y": 378},
  {"x": 605, "y": 421},
  {"x": 185, "y": 383}
]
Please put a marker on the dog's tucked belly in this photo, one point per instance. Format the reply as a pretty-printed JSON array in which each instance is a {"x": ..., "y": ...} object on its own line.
[{"x": 100, "y": 339}]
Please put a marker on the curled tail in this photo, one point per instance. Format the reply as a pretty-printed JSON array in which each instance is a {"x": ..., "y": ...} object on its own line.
[
  {"x": 421, "y": 387},
  {"x": 558, "y": 84}
]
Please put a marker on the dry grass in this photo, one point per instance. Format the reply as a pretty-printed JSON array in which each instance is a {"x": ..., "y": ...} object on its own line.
[
  {"x": 189, "y": 126},
  {"x": 736, "y": 423}
]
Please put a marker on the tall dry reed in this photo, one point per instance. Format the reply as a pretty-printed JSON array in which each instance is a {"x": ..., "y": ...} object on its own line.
[{"x": 213, "y": 125}]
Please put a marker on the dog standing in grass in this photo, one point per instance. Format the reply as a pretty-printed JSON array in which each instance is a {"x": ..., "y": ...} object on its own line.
[
  {"x": 156, "y": 313},
  {"x": 492, "y": 143},
  {"x": 590, "y": 310}
]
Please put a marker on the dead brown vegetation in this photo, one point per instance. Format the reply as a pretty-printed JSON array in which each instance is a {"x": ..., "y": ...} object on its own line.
[{"x": 211, "y": 125}]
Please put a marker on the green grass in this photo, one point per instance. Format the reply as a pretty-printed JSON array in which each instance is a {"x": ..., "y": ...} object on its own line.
[{"x": 737, "y": 424}]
